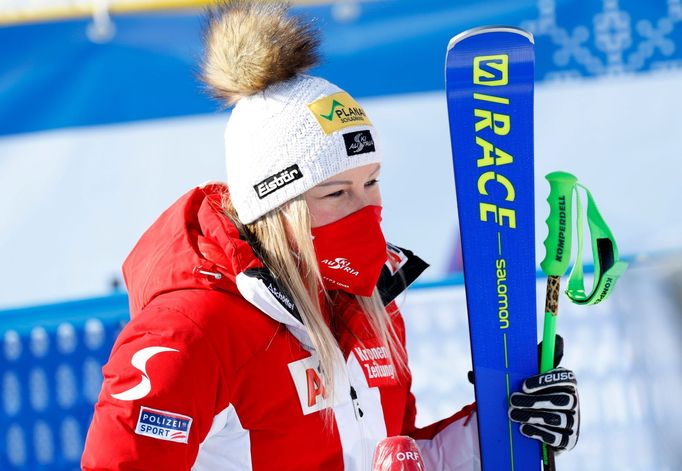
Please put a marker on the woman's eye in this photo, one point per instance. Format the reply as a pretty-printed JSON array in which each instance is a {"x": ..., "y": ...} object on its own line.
[
  {"x": 336, "y": 194},
  {"x": 372, "y": 182}
]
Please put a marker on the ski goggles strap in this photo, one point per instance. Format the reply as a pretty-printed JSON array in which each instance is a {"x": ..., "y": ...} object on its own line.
[{"x": 607, "y": 265}]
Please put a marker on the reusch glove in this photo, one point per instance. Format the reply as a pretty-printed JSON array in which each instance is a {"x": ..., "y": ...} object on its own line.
[{"x": 548, "y": 409}]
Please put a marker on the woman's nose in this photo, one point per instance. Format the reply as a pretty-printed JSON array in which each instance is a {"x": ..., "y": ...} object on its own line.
[{"x": 360, "y": 200}]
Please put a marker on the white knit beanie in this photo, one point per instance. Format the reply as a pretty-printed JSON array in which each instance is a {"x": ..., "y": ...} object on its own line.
[
  {"x": 277, "y": 148},
  {"x": 288, "y": 131}
]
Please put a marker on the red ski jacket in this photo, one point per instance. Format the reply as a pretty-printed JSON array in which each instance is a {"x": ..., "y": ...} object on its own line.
[{"x": 215, "y": 370}]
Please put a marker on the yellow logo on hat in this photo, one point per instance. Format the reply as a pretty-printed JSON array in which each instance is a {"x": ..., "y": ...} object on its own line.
[{"x": 338, "y": 111}]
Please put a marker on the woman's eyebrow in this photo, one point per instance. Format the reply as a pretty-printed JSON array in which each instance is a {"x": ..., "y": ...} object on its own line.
[
  {"x": 346, "y": 182},
  {"x": 336, "y": 182}
]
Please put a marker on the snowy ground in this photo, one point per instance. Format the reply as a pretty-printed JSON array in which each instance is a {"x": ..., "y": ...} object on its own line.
[{"x": 75, "y": 201}]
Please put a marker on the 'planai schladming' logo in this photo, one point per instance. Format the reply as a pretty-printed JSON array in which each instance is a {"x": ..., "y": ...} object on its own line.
[
  {"x": 330, "y": 116},
  {"x": 277, "y": 181},
  {"x": 338, "y": 111}
]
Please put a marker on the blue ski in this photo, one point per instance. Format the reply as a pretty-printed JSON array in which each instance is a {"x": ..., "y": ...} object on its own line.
[{"x": 489, "y": 82}]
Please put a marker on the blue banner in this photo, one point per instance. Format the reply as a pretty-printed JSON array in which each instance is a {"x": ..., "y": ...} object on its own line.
[
  {"x": 51, "y": 360},
  {"x": 57, "y": 77}
]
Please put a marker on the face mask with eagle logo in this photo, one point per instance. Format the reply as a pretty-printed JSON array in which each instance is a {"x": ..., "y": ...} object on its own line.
[{"x": 351, "y": 251}]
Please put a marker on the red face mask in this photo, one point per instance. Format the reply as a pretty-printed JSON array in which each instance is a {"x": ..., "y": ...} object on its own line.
[{"x": 351, "y": 251}]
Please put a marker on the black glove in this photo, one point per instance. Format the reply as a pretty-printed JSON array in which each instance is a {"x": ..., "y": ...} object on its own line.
[
  {"x": 548, "y": 409},
  {"x": 558, "y": 351}
]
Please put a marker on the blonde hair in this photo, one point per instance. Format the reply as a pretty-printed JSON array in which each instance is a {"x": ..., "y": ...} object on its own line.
[{"x": 284, "y": 243}]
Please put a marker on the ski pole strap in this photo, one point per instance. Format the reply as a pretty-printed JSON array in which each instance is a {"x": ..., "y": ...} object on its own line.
[{"x": 607, "y": 266}]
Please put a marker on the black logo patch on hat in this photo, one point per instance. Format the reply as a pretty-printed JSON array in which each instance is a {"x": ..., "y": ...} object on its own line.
[
  {"x": 277, "y": 181},
  {"x": 358, "y": 142}
]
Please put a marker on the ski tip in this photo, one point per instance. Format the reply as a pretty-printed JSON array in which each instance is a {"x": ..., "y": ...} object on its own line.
[{"x": 490, "y": 29}]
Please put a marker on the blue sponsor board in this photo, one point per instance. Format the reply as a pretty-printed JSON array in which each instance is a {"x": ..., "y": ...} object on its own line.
[{"x": 489, "y": 81}]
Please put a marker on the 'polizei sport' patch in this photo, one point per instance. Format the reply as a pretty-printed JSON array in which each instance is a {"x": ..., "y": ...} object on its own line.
[
  {"x": 163, "y": 425},
  {"x": 338, "y": 111}
]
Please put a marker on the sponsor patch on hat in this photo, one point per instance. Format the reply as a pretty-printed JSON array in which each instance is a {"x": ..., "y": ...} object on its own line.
[
  {"x": 277, "y": 181},
  {"x": 338, "y": 111},
  {"x": 358, "y": 142},
  {"x": 163, "y": 425}
]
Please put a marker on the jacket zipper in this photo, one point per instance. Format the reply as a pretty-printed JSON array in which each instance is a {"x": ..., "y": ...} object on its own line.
[{"x": 358, "y": 417}]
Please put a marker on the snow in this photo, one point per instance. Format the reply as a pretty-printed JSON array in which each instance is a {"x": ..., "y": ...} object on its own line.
[{"x": 75, "y": 201}]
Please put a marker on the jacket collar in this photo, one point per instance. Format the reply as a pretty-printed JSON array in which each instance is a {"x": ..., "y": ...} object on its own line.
[
  {"x": 258, "y": 286},
  {"x": 192, "y": 245}
]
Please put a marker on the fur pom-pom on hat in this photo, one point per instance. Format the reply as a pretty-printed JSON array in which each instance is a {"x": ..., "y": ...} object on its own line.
[{"x": 250, "y": 46}]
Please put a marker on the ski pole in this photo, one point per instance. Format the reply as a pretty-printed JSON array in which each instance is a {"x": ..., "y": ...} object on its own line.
[
  {"x": 607, "y": 265},
  {"x": 555, "y": 264},
  {"x": 547, "y": 355}
]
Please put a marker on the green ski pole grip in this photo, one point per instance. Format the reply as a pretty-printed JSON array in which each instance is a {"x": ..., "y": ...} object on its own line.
[
  {"x": 548, "y": 340},
  {"x": 559, "y": 222},
  {"x": 555, "y": 264}
]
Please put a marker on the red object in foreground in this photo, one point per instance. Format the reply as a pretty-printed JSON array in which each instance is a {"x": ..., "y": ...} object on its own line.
[{"x": 397, "y": 454}]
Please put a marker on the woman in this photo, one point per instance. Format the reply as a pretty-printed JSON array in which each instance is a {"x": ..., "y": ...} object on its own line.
[{"x": 263, "y": 332}]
